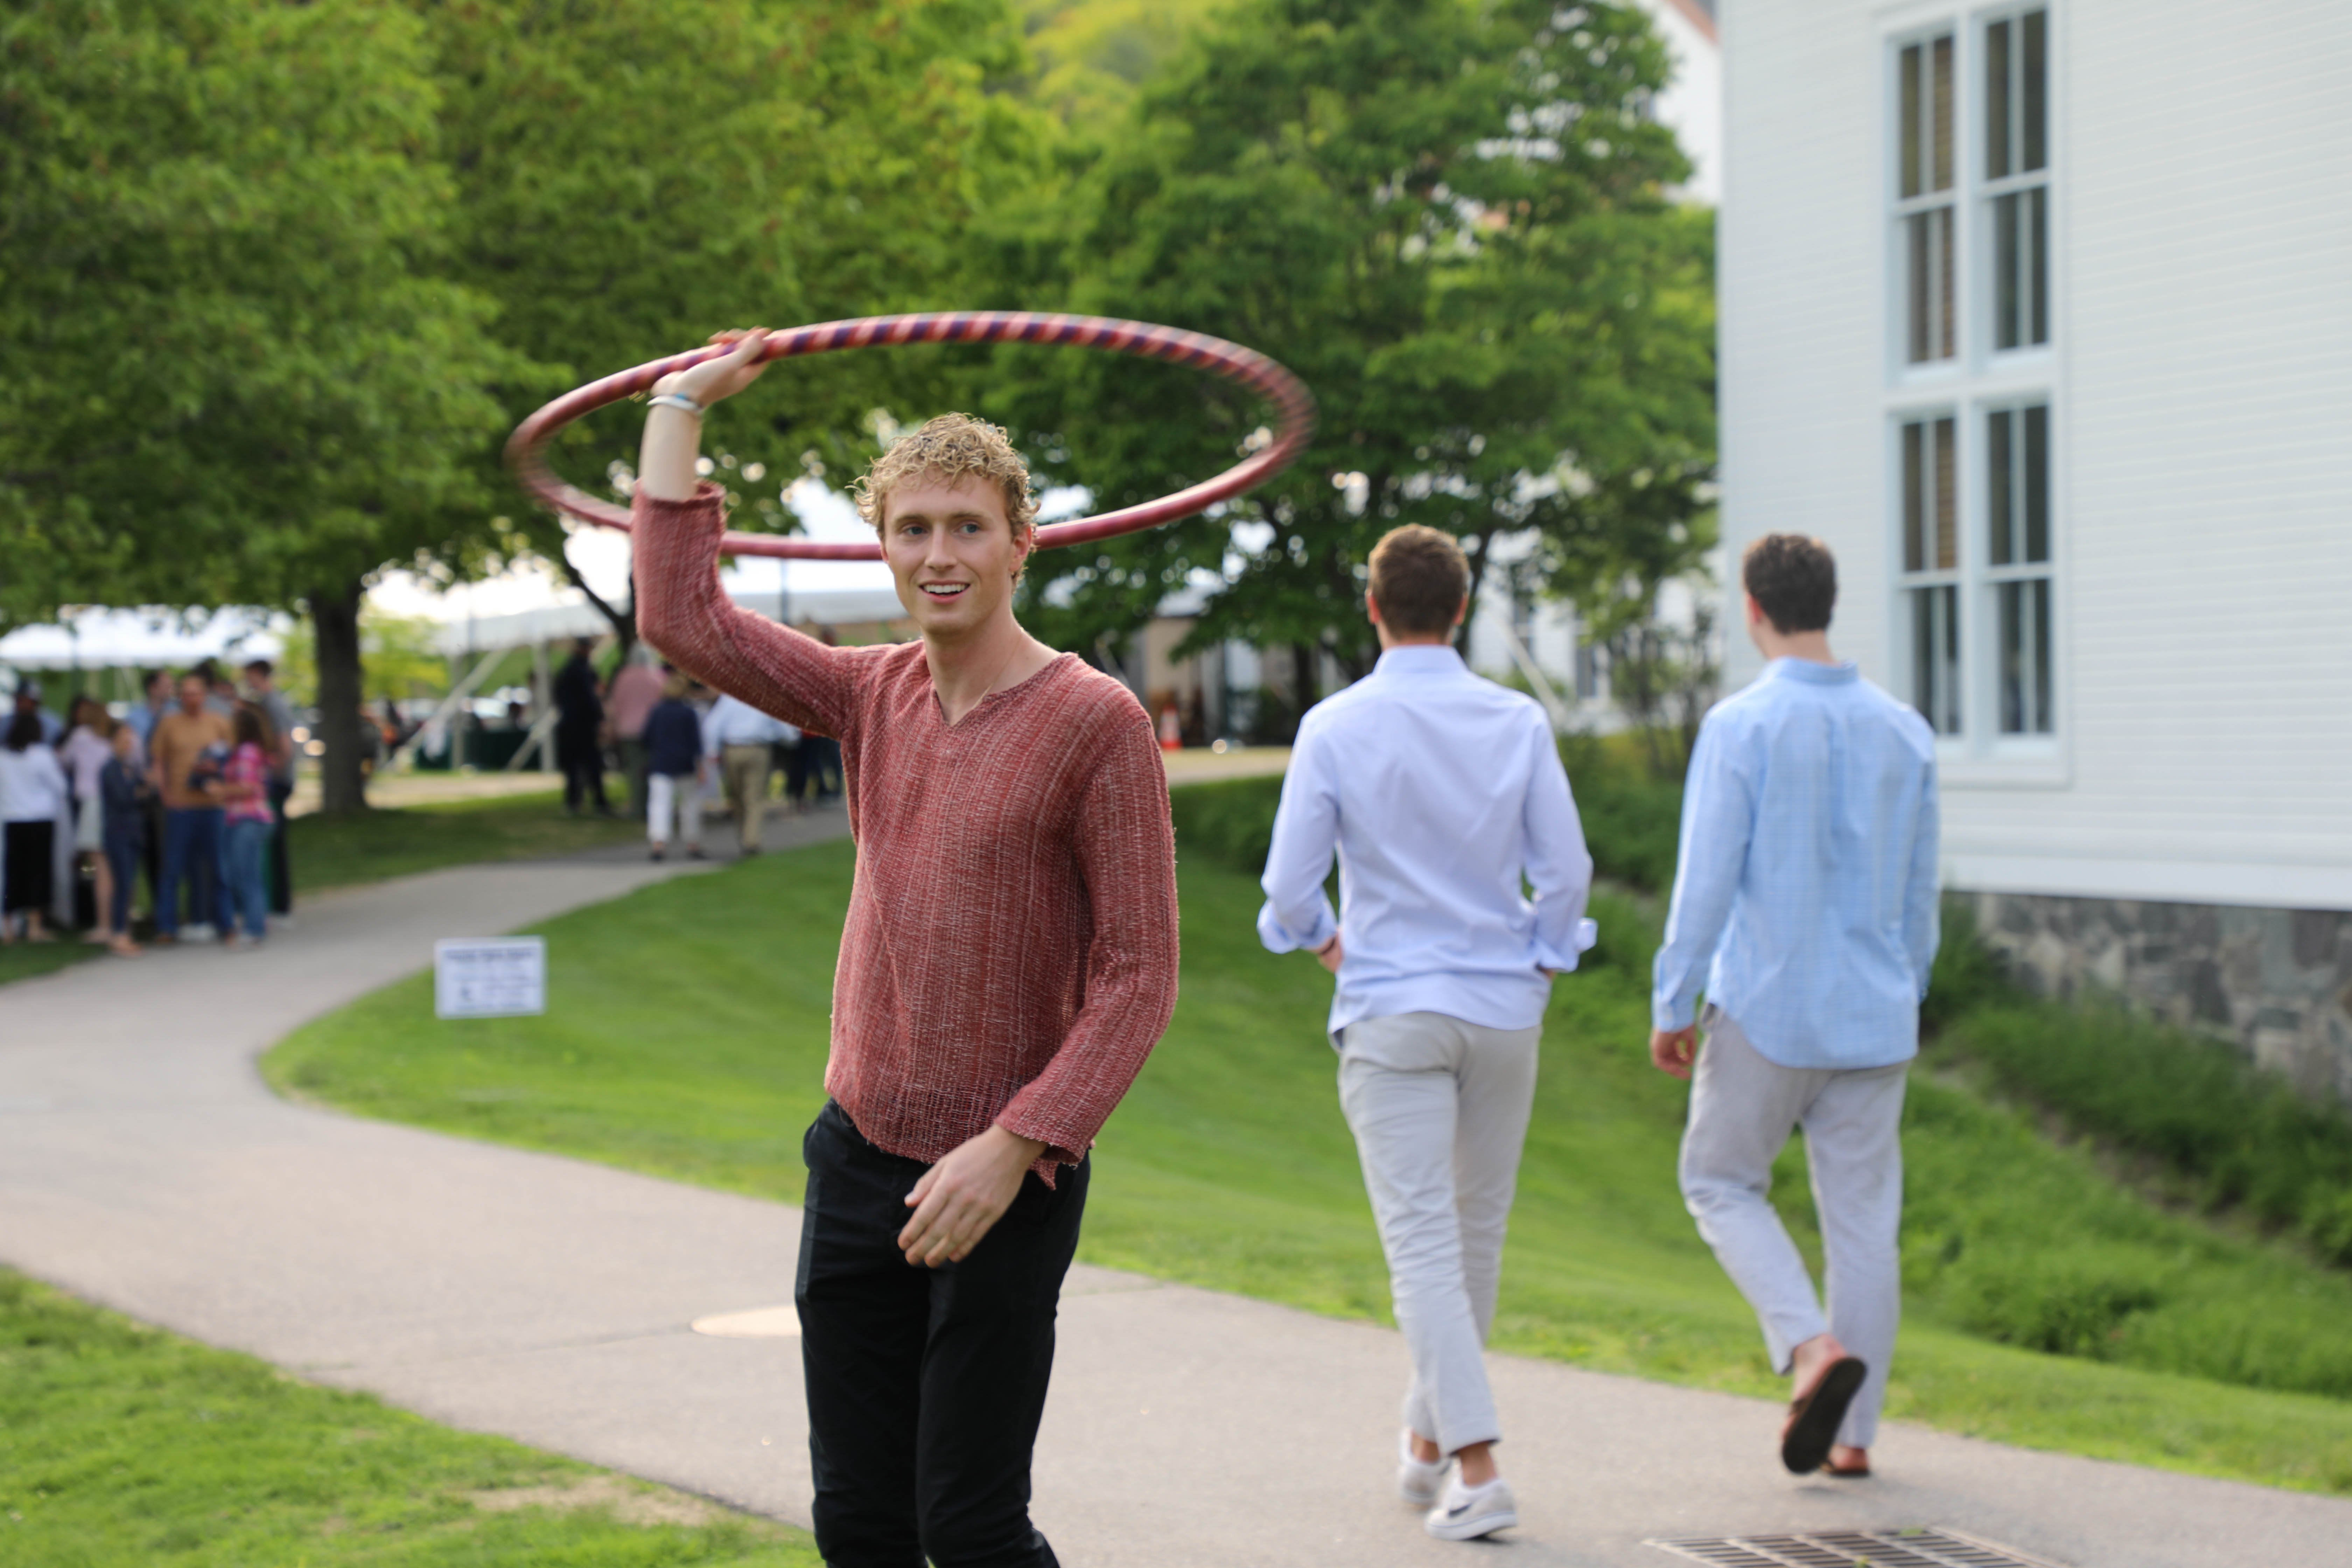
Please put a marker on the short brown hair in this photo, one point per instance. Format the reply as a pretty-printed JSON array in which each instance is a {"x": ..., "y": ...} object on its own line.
[
  {"x": 950, "y": 447},
  {"x": 1419, "y": 580},
  {"x": 1793, "y": 577}
]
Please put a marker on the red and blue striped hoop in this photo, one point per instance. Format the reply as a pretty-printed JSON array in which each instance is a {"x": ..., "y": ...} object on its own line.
[{"x": 1293, "y": 414}]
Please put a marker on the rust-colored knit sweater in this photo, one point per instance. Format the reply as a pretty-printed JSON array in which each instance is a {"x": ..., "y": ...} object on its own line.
[{"x": 1010, "y": 955}]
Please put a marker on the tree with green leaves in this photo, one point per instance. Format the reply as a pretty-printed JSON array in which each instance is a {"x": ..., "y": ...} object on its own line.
[
  {"x": 635, "y": 174},
  {"x": 1453, "y": 221},
  {"x": 232, "y": 372}
]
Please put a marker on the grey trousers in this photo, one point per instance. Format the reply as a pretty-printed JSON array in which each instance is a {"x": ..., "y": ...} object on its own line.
[
  {"x": 1439, "y": 1109},
  {"x": 1742, "y": 1107}
]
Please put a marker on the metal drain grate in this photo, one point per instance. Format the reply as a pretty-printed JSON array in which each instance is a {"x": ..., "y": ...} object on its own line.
[{"x": 1851, "y": 1549}]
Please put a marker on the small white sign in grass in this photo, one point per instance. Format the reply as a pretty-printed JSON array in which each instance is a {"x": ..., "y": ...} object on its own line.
[{"x": 489, "y": 977}]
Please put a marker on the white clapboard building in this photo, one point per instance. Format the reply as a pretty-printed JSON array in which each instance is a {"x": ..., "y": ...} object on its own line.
[{"x": 2041, "y": 315}]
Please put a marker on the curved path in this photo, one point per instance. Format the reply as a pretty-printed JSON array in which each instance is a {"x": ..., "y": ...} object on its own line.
[{"x": 143, "y": 1165}]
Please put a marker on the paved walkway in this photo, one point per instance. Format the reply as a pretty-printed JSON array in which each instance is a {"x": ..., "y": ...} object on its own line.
[{"x": 143, "y": 1165}]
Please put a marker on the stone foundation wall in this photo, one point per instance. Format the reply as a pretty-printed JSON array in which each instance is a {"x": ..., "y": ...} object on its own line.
[{"x": 2276, "y": 982}]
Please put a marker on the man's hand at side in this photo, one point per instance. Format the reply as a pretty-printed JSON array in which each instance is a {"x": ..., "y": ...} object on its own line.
[
  {"x": 1330, "y": 954},
  {"x": 1673, "y": 1049},
  {"x": 959, "y": 1199}
]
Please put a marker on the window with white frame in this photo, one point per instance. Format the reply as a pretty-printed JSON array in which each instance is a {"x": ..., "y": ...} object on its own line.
[
  {"x": 1931, "y": 566},
  {"x": 2016, "y": 563},
  {"x": 1924, "y": 209},
  {"x": 2017, "y": 176},
  {"x": 1974, "y": 145}
]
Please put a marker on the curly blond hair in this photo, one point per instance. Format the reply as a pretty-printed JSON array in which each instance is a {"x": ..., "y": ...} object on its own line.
[{"x": 950, "y": 447}]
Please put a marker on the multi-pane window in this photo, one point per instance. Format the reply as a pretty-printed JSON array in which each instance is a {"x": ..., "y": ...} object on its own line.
[
  {"x": 1931, "y": 559},
  {"x": 1974, "y": 140},
  {"x": 1924, "y": 192},
  {"x": 2017, "y": 560},
  {"x": 2017, "y": 176}
]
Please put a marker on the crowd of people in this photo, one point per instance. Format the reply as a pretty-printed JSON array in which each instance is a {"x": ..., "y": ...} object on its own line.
[
  {"x": 681, "y": 746},
  {"x": 185, "y": 790}
]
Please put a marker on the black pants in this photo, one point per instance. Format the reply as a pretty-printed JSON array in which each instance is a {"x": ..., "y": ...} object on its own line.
[
  {"x": 583, "y": 761},
  {"x": 925, "y": 1386},
  {"x": 281, "y": 867}
]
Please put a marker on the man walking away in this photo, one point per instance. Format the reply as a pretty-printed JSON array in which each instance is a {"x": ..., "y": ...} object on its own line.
[
  {"x": 1805, "y": 903},
  {"x": 1440, "y": 790},
  {"x": 743, "y": 742},
  {"x": 629, "y": 700},
  {"x": 1007, "y": 963},
  {"x": 673, "y": 737},
  {"x": 578, "y": 732},
  {"x": 261, "y": 680}
]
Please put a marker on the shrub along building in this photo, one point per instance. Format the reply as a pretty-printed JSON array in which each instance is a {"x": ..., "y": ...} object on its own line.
[{"x": 2037, "y": 314}]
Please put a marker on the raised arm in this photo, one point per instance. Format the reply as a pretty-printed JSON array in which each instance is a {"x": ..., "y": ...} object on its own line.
[
  {"x": 1127, "y": 854},
  {"x": 676, "y": 521}
]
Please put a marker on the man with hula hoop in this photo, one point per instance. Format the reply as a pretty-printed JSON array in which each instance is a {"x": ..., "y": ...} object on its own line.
[{"x": 1008, "y": 961}]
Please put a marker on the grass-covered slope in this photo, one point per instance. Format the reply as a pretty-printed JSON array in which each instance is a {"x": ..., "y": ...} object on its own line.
[
  {"x": 686, "y": 1037},
  {"x": 121, "y": 1443}
]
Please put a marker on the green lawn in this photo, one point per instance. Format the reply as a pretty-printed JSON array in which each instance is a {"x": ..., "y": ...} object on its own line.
[
  {"x": 337, "y": 852},
  {"x": 25, "y": 960},
  {"x": 121, "y": 1443},
  {"x": 687, "y": 1037}
]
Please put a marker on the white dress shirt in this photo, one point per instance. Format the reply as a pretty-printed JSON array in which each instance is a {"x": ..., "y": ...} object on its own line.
[
  {"x": 1440, "y": 790},
  {"x": 732, "y": 721}
]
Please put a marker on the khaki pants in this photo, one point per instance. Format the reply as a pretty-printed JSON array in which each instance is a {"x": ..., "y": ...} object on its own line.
[
  {"x": 745, "y": 770},
  {"x": 1743, "y": 1106},
  {"x": 1440, "y": 1107}
]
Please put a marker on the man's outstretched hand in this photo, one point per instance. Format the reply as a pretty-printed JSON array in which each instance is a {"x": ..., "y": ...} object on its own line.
[
  {"x": 965, "y": 1194},
  {"x": 1673, "y": 1049}
]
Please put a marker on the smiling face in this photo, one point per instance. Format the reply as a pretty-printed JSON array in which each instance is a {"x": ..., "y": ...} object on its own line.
[{"x": 953, "y": 555}]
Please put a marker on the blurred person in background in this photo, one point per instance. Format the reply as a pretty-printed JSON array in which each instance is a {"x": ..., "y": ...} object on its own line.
[
  {"x": 261, "y": 685},
  {"x": 243, "y": 790},
  {"x": 144, "y": 716},
  {"x": 674, "y": 769},
  {"x": 629, "y": 700},
  {"x": 87, "y": 747},
  {"x": 578, "y": 732},
  {"x": 28, "y": 701},
  {"x": 191, "y": 817},
  {"x": 155, "y": 696},
  {"x": 33, "y": 811},
  {"x": 741, "y": 741},
  {"x": 220, "y": 691},
  {"x": 122, "y": 789}
]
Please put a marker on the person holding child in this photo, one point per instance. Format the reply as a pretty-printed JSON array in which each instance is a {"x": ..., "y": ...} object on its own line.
[{"x": 247, "y": 823}]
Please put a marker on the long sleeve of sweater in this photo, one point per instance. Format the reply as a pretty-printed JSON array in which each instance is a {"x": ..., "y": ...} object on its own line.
[
  {"x": 1126, "y": 853},
  {"x": 684, "y": 611}
]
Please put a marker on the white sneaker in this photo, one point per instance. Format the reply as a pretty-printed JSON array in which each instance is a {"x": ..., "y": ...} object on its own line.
[
  {"x": 1468, "y": 1512},
  {"x": 1419, "y": 1483}
]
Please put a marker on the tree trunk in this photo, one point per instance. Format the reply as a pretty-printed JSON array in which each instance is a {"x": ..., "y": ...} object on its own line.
[
  {"x": 1303, "y": 684},
  {"x": 1484, "y": 540},
  {"x": 335, "y": 624},
  {"x": 625, "y": 621}
]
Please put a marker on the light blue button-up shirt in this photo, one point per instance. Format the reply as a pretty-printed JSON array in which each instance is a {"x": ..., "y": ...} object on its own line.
[
  {"x": 1440, "y": 790},
  {"x": 1805, "y": 899}
]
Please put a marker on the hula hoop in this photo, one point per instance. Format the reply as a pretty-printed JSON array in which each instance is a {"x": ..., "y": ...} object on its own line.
[{"x": 1294, "y": 414}]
